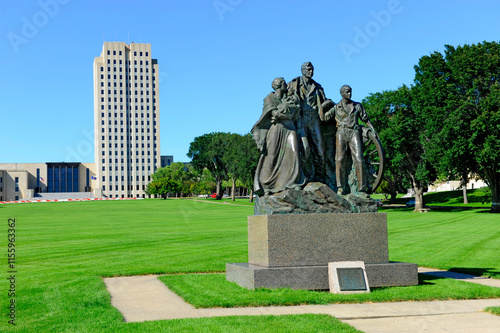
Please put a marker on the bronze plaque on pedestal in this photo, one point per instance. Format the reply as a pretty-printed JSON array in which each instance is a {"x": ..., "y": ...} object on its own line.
[{"x": 351, "y": 279}]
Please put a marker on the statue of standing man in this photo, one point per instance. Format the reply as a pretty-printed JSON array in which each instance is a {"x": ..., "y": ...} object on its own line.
[
  {"x": 347, "y": 113},
  {"x": 311, "y": 96}
]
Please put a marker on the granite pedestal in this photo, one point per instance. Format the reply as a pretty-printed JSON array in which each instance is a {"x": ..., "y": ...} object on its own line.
[{"x": 293, "y": 250}]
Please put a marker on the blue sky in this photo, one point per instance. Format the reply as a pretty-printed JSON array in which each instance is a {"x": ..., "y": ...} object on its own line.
[{"x": 217, "y": 59}]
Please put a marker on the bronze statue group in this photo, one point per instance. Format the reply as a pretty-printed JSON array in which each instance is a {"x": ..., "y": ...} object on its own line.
[{"x": 305, "y": 137}]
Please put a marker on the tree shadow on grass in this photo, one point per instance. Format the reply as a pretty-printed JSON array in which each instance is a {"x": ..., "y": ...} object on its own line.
[
  {"x": 489, "y": 272},
  {"x": 458, "y": 209}
]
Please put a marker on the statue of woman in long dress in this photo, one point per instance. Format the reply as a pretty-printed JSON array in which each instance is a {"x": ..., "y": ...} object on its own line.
[{"x": 275, "y": 133}]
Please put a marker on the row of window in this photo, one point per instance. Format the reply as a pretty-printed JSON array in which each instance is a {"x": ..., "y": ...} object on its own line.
[
  {"x": 131, "y": 175},
  {"x": 130, "y": 122},
  {"x": 130, "y": 108},
  {"x": 135, "y": 53},
  {"x": 130, "y": 115},
  {"x": 131, "y": 168},
  {"x": 129, "y": 77},
  {"x": 130, "y": 138},
  {"x": 131, "y": 178},
  {"x": 62, "y": 179},
  {"x": 130, "y": 100},
  {"x": 120, "y": 69},
  {"x": 128, "y": 146},
  {"x": 143, "y": 160},
  {"x": 129, "y": 153},
  {"x": 129, "y": 188},
  {"x": 128, "y": 63},
  {"x": 130, "y": 92},
  {"x": 130, "y": 130},
  {"x": 129, "y": 85}
]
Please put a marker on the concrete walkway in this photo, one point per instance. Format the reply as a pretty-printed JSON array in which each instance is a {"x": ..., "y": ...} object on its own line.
[{"x": 142, "y": 298}]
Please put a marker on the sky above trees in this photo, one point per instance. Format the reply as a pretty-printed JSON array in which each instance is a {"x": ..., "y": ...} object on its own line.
[{"x": 217, "y": 60}]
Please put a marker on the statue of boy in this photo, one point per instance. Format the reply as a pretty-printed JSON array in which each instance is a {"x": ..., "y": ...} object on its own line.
[{"x": 347, "y": 114}]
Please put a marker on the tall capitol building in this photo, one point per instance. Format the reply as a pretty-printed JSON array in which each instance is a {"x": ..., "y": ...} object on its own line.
[{"x": 126, "y": 119}]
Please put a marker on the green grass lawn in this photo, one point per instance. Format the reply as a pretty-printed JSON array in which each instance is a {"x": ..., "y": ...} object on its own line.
[
  {"x": 213, "y": 290},
  {"x": 480, "y": 197},
  {"x": 493, "y": 310},
  {"x": 462, "y": 241},
  {"x": 64, "y": 249},
  {"x": 477, "y": 198}
]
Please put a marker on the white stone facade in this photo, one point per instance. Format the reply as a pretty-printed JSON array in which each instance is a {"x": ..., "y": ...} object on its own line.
[{"x": 126, "y": 118}]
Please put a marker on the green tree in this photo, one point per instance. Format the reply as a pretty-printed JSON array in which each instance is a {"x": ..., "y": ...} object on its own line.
[
  {"x": 241, "y": 160},
  {"x": 178, "y": 172},
  {"x": 381, "y": 107},
  {"x": 402, "y": 129},
  {"x": 485, "y": 143},
  {"x": 457, "y": 92},
  {"x": 204, "y": 182},
  {"x": 163, "y": 187},
  {"x": 445, "y": 121},
  {"x": 207, "y": 151}
]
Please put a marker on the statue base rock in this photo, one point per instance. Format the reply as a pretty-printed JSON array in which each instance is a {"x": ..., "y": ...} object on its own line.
[
  {"x": 315, "y": 198},
  {"x": 293, "y": 251}
]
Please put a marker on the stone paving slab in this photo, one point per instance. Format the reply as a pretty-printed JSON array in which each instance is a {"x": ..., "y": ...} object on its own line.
[
  {"x": 456, "y": 323},
  {"x": 142, "y": 298}
]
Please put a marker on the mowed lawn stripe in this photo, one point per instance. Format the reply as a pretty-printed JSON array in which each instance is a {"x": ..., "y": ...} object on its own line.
[
  {"x": 64, "y": 249},
  {"x": 467, "y": 241}
]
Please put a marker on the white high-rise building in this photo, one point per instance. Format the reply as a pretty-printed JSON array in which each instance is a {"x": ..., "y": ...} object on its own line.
[{"x": 126, "y": 119}]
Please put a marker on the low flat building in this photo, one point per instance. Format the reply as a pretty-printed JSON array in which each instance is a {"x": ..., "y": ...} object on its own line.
[{"x": 19, "y": 181}]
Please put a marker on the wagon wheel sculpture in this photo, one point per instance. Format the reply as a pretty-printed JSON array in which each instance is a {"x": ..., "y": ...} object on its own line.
[{"x": 374, "y": 157}]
